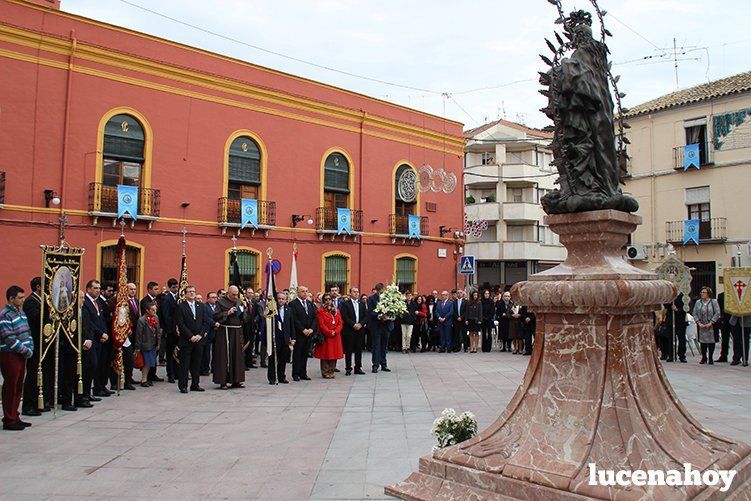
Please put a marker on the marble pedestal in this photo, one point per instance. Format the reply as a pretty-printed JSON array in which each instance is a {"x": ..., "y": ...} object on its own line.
[{"x": 594, "y": 391}]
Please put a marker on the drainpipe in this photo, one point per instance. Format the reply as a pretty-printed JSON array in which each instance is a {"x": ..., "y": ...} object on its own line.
[
  {"x": 461, "y": 243},
  {"x": 359, "y": 198},
  {"x": 66, "y": 123}
]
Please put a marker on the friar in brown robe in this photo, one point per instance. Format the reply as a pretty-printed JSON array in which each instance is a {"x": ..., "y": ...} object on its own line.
[{"x": 229, "y": 363}]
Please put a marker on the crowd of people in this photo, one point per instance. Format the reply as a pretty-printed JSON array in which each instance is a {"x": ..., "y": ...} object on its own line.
[
  {"x": 224, "y": 335},
  {"x": 712, "y": 325}
]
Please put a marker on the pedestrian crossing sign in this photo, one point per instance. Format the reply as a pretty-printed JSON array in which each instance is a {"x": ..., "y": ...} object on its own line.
[{"x": 467, "y": 265}]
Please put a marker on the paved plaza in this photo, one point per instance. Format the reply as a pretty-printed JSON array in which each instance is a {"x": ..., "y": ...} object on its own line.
[{"x": 322, "y": 439}]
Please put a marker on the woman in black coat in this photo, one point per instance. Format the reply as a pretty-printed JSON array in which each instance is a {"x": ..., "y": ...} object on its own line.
[
  {"x": 503, "y": 314},
  {"x": 488, "y": 315}
]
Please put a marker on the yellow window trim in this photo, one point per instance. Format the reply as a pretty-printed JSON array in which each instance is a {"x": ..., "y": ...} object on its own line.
[
  {"x": 407, "y": 255},
  {"x": 147, "y": 149},
  {"x": 323, "y": 269},
  {"x": 264, "y": 159},
  {"x": 351, "y": 195},
  {"x": 141, "y": 261},
  {"x": 261, "y": 264},
  {"x": 393, "y": 186}
]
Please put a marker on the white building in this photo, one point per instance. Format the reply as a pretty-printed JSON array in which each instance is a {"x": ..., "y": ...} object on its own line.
[{"x": 506, "y": 172}]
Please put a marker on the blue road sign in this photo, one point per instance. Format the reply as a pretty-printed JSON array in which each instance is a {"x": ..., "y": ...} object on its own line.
[{"x": 467, "y": 265}]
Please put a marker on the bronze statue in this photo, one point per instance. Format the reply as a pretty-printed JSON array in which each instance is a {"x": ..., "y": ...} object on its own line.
[{"x": 581, "y": 107}]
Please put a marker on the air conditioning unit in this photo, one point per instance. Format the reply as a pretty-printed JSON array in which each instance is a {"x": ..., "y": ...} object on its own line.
[{"x": 637, "y": 252}]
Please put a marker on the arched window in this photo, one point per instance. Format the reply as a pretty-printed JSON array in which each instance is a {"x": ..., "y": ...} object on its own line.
[
  {"x": 406, "y": 273},
  {"x": 108, "y": 264},
  {"x": 336, "y": 272},
  {"x": 405, "y": 191},
  {"x": 123, "y": 151},
  {"x": 244, "y": 169},
  {"x": 336, "y": 181},
  {"x": 248, "y": 263}
]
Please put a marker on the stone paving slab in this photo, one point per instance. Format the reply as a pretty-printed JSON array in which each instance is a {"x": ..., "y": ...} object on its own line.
[{"x": 320, "y": 439}]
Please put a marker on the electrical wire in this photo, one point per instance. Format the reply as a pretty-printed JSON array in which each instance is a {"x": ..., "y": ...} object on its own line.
[{"x": 280, "y": 54}]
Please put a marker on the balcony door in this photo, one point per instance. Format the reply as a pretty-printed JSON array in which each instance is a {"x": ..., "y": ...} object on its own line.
[{"x": 122, "y": 158}]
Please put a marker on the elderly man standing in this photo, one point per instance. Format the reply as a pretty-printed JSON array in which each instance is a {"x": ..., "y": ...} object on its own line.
[
  {"x": 229, "y": 363},
  {"x": 306, "y": 323}
]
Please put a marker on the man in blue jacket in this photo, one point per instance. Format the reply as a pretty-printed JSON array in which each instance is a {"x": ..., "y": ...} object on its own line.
[
  {"x": 443, "y": 314},
  {"x": 379, "y": 331}
]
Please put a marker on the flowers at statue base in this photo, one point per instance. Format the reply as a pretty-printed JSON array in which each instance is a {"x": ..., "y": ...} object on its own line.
[
  {"x": 452, "y": 428},
  {"x": 391, "y": 304}
]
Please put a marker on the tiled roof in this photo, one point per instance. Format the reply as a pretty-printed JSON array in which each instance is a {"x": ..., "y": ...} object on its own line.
[
  {"x": 532, "y": 132},
  {"x": 726, "y": 86}
]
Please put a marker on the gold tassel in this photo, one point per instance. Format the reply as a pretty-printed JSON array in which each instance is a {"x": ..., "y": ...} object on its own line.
[
  {"x": 40, "y": 397},
  {"x": 79, "y": 371}
]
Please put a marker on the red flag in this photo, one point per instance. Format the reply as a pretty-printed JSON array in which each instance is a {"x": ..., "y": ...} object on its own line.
[{"x": 121, "y": 327}]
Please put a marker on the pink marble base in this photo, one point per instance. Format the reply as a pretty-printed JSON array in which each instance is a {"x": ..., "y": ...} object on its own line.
[{"x": 594, "y": 391}]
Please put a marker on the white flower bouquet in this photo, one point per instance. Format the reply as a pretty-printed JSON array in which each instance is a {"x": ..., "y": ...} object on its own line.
[
  {"x": 391, "y": 305},
  {"x": 452, "y": 428}
]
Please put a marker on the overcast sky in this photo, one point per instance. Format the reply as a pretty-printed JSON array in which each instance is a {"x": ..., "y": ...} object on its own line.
[{"x": 449, "y": 46}]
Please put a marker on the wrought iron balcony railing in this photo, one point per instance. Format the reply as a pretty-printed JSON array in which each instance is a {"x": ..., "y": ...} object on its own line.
[
  {"x": 326, "y": 219},
  {"x": 706, "y": 155},
  {"x": 2, "y": 188},
  {"x": 711, "y": 230},
  {"x": 103, "y": 201},
  {"x": 229, "y": 212},
  {"x": 399, "y": 225}
]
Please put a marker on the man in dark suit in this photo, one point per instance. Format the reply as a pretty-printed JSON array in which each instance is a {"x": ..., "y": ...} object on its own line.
[
  {"x": 190, "y": 319},
  {"x": 676, "y": 311},
  {"x": 32, "y": 307},
  {"x": 168, "y": 307},
  {"x": 152, "y": 293},
  {"x": 460, "y": 312},
  {"x": 106, "y": 347},
  {"x": 95, "y": 334},
  {"x": 723, "y": 329},
  {"x": 355, "y": 319},
  {"x": 284, "y": 327},
  {"x": 306, "y": 324},
  {"x": 211, "y": 329},
  {"x": 443, "y": 312},
  {"x": 336, "y": 298},
  {"x": 379, "y": 331}
]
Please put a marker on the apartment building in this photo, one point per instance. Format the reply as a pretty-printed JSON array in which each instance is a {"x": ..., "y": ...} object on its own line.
[
  {"x": 716, "y": 116},
  {"x": 507, "y": 171}
]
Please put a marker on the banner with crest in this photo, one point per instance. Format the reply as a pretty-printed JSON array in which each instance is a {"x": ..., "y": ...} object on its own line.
[
  {"x": 61, "y": 281},
  {"x": 737, "y": 297}
]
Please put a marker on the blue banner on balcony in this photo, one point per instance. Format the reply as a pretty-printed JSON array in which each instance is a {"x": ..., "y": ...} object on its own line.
[
  {"x": 414, "y": 226},
  {"x": 127, "y": 200},
  {"x": 344, "y": 221},
  {"x": 691, "y": 231},
  {"x": 691, "y": 156},
  {"x": 249, "y": 211}
]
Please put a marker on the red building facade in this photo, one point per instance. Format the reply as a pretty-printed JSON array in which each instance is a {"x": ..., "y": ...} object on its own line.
[{"x": 85, "y": 106}]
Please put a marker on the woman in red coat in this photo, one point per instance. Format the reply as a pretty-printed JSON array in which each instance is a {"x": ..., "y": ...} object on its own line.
[{"x": 330, "y": 325}]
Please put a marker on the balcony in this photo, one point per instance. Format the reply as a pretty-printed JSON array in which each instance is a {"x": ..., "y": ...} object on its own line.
[
  {"x": 532, "y": 250},
  {"x": 2, "y": 188},
  {"x": 327, "y": 224},
  {"x": 515, "y": 212},
  {"x": 229, "y": 215},
  {"x": 713, "y": 230},
  {"x": 103, "y": 203},
  {"x": 706, "y": 155},
  {"x": 488, "y": 211},
  {"x": 399, "y": 228},
  {"x": 479, "y": 176},
  {"x": 523, "y": 174}
]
